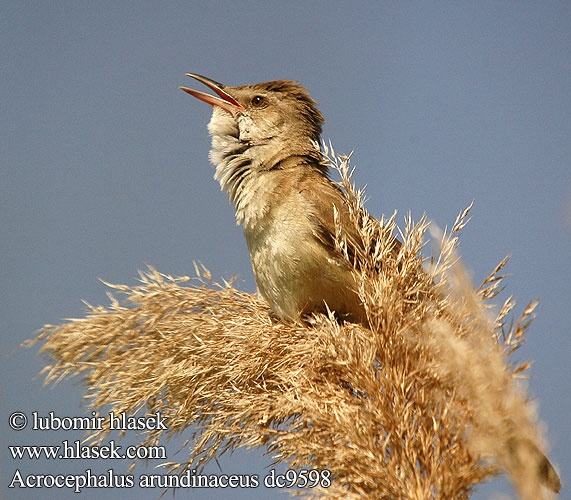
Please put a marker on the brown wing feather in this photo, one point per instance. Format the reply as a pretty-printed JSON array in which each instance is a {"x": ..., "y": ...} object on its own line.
[{"x": 322, "y": 215}]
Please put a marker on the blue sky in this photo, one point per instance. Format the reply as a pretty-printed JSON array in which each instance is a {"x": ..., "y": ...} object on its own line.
[{"x": 105, "y": 162}]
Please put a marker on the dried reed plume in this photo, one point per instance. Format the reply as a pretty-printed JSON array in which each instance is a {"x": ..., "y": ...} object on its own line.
[{"x": 425, "y": 403}]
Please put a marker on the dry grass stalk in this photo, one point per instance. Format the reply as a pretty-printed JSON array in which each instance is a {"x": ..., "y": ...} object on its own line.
[{"x": 408, "y": 409}]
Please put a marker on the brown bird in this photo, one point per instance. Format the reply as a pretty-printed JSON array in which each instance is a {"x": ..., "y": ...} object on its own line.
[{"x": 265, "y": 146}]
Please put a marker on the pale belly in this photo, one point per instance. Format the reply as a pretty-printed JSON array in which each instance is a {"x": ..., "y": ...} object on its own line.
[{"x": 296, "y": 274}]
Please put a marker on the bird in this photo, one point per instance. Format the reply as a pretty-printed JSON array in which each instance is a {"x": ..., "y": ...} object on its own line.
[{"x": 265, "y": 147}]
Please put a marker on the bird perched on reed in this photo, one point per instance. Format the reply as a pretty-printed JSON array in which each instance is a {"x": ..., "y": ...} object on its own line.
[{"x": 265, "y": 146}]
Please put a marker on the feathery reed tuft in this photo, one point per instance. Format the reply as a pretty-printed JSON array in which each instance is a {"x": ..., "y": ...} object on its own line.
[{"x": 425, "y": 403}]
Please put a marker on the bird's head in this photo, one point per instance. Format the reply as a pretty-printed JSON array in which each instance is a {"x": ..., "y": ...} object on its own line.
[{"x": 264, "y": 118}]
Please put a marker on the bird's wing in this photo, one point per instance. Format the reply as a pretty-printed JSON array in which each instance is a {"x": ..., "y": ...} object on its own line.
[{"x": 322, "y": 195}]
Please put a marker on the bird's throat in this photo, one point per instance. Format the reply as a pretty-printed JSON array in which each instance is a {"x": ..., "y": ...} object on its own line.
[{"x": 243, "y": 168}]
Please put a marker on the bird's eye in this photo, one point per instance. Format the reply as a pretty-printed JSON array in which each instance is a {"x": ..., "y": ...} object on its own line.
[{"x": 257, "y": 100}]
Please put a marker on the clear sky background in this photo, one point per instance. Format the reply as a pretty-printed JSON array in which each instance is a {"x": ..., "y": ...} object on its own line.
[{"x": 104, "y": 164}]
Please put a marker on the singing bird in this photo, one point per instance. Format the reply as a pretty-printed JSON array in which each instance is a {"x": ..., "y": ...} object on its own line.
[{"x": 265, "y": 147}]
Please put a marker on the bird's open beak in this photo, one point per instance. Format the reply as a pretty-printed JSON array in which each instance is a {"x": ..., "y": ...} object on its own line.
[{"x": 227, "y": 103}]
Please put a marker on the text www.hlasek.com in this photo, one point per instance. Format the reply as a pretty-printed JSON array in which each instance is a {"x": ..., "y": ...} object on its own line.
[{"x": 76, "y": 450}]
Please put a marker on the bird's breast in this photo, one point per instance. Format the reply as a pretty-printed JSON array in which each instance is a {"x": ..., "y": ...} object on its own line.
[{"x": 294, "y": 272}]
